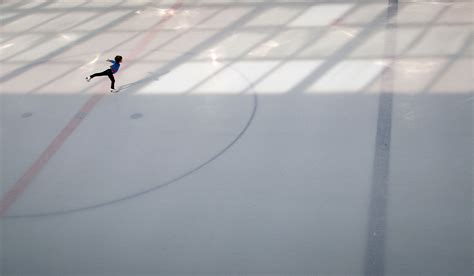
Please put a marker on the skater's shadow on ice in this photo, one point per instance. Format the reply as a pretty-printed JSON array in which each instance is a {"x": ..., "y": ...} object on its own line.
[{"x": 151, "y": 77}]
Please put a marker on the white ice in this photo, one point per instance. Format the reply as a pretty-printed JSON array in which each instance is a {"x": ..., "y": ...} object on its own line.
[{"x": 248, "y": 137}]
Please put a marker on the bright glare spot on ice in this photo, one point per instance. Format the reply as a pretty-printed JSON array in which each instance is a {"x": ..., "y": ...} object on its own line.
[
  {"x": 214, "y": 56},
  {"x": 95, "y": 59},
  {"x": 272, "y": 44},
  {"x": 166, "y": 12},
  {"x": 346, "y": 32},
  {"x": 66, "y": 37},
  {"x": 264, "y": 49},
  {"x": 180, "y": 27},
  {"x": 383, "y": 63},
  {"x": 69, "y": 37},
  {"x": 6, "y": 46}
]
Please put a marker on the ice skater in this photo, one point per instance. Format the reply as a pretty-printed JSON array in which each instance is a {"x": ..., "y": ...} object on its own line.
[{"x": 109, "y": 72}]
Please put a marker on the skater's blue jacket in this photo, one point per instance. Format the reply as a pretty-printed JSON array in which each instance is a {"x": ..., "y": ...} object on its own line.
[{"x": 115, "y": 66}]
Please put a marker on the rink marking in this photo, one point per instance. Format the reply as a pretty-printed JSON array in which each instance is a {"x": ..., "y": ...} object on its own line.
[
  {"x": 240, "y": 134},
  {"x": 19, "y": 187},
  {"x": 375, "y": 251},
  {"x": 180, "y": 60}
]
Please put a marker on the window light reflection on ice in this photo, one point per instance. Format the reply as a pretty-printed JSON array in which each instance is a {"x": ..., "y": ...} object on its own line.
[
  {"x": 214, "y": 56},
  {"x": 344, "y": 31},
  {"x": 95, "y": 59},
  {"x": 6, "y": 46},
  {"x": 181, "y": 27},
  {"x": 166, "y": 12},
  {"x": 264, "y": 49},
  {"x": 88, "y": 64},
  {"x": 66, "y": 37}
]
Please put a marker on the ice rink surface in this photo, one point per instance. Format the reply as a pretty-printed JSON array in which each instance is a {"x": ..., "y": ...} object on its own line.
[{"x": 248, "y": 137}]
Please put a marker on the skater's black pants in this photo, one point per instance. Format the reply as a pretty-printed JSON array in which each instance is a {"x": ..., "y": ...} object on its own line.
[{"x": 107, "y": 73}]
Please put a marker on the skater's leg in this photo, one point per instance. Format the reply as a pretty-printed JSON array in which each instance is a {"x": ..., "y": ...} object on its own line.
[
  {"x": 112, "y": 79},
  {"x": 105, "y": 73}
]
